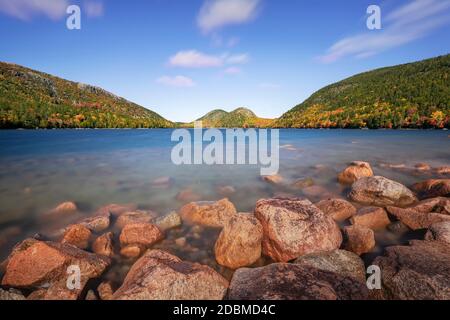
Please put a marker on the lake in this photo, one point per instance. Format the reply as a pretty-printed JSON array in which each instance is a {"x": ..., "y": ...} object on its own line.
[{"x": 40, "y": 169}]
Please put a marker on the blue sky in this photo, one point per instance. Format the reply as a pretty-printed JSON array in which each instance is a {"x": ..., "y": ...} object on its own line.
[{"x": 183, "y": 58}]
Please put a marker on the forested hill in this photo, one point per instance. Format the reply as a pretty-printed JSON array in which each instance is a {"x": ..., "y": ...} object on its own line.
[
  {"x": 414, "y": 95},
  {"x": 32, "y": 99},
  {"x": 239, "y": 118}
]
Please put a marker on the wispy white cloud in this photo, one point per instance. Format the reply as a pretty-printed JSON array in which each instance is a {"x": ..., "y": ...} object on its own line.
[
  {"x": 177, "y": 81},
  {"x": 232, "y": 70},
  {"x": 238, "y": 59},
  {"x": 215, "y": 14},
  {"x": 52, "y": 9},
  {"x": 27, "y": 9},
  {"x": 93, "y": 8},
  {"x": 403, "y": 25},
  {"x": 197, "y": 59}
]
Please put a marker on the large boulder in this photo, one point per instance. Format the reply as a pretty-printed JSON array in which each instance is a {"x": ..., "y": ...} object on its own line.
[
  {"x": 423, "y": 214},
  {"x": 239, "y": 243},
  {"x": 42, "y": 265},
  {"x": 380, "y": 191},
  {"x": 338, "y": 209},
  {"x": 432, "y": 188},
  {"x": 295, "y": 227},
  {"x": 284, "y": 281},
  {"x": 212, "y": 214},
  {"x": 358, "y": 239},
  {"x": 374, "y": 218},
  {"x": 158, "y": 275},
  {"x": 356, "y": 170},
  {"x": 420, "y": 271},
  {"x": 439, "y": 232},
  {"x": 144, "y": 234},
  {"x": 342, "y": 262}
]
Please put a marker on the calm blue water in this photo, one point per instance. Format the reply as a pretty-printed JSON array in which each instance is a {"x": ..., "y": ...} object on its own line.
[{"x": 39, "y": 169}]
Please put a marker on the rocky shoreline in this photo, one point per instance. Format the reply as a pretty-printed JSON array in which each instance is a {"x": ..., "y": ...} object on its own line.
[{"x": 288, "y": 248}]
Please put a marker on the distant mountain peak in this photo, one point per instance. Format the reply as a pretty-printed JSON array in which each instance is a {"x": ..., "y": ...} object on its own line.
[{"x": 238, "y": 118}]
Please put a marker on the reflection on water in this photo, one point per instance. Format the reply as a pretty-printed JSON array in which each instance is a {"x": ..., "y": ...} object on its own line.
[{"x": 39, "y": 169}]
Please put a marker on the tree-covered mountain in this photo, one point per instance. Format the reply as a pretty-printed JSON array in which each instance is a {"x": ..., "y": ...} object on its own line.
[
  {"x": 239, "y": 118},
  {"x": 413, "y": 95},
  {"x": 32, "y": 99}
]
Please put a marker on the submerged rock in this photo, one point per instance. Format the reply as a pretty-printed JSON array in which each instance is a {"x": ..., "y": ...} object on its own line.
[
  {"x": 226, "y": 191},
  {"x": 167, "y": 222},
  {"x": 295, "y": 227},
  {"x": 284, "y": 281},
  {"x": 162, "y": 182},
  {"x": 374, "y": 218},
  {"x": 116, "y": 209},
  {"x": 138, "y": 216},
  {"x": 158, "y": 275},
  {"x": 91, "y": 296},
  {"x": 303, "y": 183},
  {"x": 36, "y": 264},
  {"x": 338, "y": 209},
  {"x": 188, "y": 195},
  {"x": 443, "y": 170},
  {"x": 212, "y": 214},
  {"x": 432, "y": 188},
  {"x": 105, "y": 291},
  {"x": 77, "y": 235},
  {"x": 439, "y": 232},
  {"x": 239, "y": 243},
  {"x": 317, "y": 192},
  {"x": 65, "y": 207},
  {"x": 420, "y": 271},
  {"x": 132, "y": 251},
  {"x": 103, "y": 245},
  {"x": 423, "y": 214},
  {"x": 275, "y": 179},
  {"x": 356, "y": 170},
  {"x": 422, "y": 167},
  {"x": 11, "y": 294},
  {"x": 144, "y": 234},
  {"x": 342, "y": 262},
  {"x": 380, "y": 191},
  {"x": 97, "y": 223},
  {"x": 358, "y": 239},
  {"x": 398, "y": 227}
]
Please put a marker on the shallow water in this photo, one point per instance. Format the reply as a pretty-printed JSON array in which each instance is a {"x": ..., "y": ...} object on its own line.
[{"x": 40, "y": 169}]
